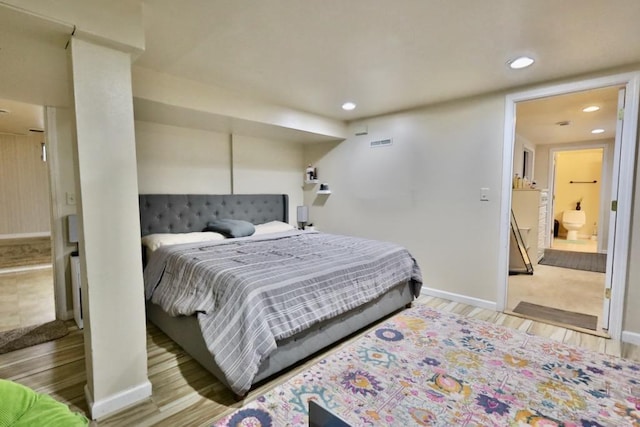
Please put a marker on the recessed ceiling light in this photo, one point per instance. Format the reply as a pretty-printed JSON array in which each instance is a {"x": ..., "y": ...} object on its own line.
[
  {"x": 348, "y": 106},
  {"x": 520, "y": 62},
  {"x": 597, "y": 131},
  {"x": 564, "y": 123},
  {"x": 591, "y": 109}
]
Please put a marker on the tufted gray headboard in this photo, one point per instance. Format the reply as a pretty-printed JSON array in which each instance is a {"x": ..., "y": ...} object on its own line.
[{"x": 182, "y": 213}]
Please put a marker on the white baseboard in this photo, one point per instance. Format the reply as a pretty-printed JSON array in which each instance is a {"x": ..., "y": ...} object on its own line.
[
  {"x": 476, "y": 302},
  {"x": 25, "y": 235},
  {"x": 118, "y": 401},
  {"x": 22, "y": 269},
  {"x": 631, "y": 337}
]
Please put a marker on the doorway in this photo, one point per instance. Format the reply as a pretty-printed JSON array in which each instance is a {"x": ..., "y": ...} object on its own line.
[
  {"x": 621, "y": 184},
  {"x": 26, "y": 262}
]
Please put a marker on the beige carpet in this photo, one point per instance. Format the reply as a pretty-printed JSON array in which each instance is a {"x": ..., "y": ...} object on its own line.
[
  {"x": 562, "y": 288},
  {"x": 16, "y": 339},
  {"x": 21, "y": 252}
]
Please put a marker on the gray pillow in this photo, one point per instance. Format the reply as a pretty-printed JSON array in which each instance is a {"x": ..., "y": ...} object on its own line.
[{"x": 231, "y": 227}]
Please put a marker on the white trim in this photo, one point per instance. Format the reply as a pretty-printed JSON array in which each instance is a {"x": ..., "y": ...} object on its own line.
[
  {"x": 625, "y": 194},
  {"x": 631, "y": 337},
  {"x": 476, "y": 302},
  {"x": 57, "y": 241},
  {"x": 118, "y": 401},
  {"x": 25, "y": 235}
]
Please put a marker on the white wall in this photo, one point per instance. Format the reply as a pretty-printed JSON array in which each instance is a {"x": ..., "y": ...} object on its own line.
[
  {"x": 267, "y": 166},
  {"x": 518, "y": 156},
  {"x": 176, "y": 160},
  {"x": 24, "y": 186},
  {"x": 423, "y": 191},
  {"x": 632, "y": 314}
]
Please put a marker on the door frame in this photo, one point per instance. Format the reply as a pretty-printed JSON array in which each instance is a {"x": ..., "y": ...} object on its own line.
[
  {"x": 625, "y": 189},
  {"x": 605, "y": 182}
]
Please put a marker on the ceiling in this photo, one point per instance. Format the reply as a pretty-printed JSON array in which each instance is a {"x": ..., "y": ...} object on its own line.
[
  {"x": 537, "y": 120},
  {"x": 384, "y": 55},
  {"x": 313, "y": 56},
  {"x": 20, "y": 117}
]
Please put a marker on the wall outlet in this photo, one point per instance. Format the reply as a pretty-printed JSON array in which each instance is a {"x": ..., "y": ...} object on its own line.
[
  {"x": 484, "y": 194},
  {"x": 71, "y": 198}
]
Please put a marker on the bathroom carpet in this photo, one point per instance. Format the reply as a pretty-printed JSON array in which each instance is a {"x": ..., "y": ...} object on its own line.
[
  {"x": 575, "y": 260},
  {"x": 427, "y": 367}
]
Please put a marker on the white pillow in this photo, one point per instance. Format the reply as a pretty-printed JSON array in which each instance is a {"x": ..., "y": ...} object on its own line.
[
  {"x": 155, "y": 241},
  {"x": 272, "y": 227}
]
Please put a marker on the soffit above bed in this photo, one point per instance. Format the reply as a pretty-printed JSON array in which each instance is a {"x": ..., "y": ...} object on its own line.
[{"x": 158, "y": 112}]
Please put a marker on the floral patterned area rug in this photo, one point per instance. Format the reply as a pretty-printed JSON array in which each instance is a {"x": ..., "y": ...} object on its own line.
[{"x": 426, "y": 367}]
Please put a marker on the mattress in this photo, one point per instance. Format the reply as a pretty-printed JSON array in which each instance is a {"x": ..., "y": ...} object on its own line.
[{"x": 250, "y": 293}]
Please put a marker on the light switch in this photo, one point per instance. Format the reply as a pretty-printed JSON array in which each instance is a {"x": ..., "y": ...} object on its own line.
[
  {"x": 71, "y": 198},
  {"x": 484, "y": 194}
]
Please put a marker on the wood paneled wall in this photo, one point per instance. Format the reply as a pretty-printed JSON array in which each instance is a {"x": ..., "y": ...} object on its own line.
[{"x": 24, "y": 185}]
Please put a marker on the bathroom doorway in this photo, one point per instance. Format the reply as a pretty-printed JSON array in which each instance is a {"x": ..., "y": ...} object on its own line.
[
  {"x": 579, "y": 188},
  {"x": 567, "y": 290}
]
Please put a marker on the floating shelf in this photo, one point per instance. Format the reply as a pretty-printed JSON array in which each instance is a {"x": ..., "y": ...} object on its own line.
[
  {"x": 311, "y": 181},
  {"x": 323, "y": 192}
]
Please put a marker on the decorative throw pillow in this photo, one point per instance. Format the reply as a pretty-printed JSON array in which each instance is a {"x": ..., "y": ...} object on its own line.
[
  {"x": 273, "y": 227},
  {"x": 231, "y": 227},
  {"x": 155, "y": 241}
]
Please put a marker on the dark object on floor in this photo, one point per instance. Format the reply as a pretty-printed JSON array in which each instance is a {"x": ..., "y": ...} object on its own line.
[
  {"x": 321, "y": 417},
  {"x": 556, "y": 227},
  {"x": 585, "y": 321},
  {"x": 16, "y": 339},
  {"x": 576, "y": 260}
]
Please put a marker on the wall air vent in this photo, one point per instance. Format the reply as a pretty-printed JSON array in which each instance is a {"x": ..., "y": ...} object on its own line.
[{"x": 381, "y": 143}]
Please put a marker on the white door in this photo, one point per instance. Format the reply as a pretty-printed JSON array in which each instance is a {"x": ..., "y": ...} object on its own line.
[{"x": 612, "y": 220}]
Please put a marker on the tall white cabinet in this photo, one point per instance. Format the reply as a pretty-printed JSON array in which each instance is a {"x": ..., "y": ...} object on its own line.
[{"x": 530, "y": 209}]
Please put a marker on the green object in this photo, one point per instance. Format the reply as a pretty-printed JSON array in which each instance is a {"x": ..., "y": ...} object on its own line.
[{"x": 21, "y": 407}]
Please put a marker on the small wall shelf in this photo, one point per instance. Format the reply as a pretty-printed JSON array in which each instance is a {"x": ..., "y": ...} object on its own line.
[
  {"x": 323, "y": 192},
  {"x": 311, "y": 181}
]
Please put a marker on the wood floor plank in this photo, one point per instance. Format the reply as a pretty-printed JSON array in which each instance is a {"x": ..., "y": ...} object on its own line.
[{"x": 186, "y": 394}]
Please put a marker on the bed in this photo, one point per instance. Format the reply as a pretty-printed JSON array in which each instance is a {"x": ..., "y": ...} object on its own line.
[{"x": 202, "y": 321}]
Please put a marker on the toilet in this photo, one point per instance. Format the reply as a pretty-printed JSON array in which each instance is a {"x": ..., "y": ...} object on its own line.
[{"x": 573, "y": 221}]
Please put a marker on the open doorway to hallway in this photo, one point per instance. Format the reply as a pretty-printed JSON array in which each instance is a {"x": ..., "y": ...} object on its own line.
[
  {"x": 560, "y": 200},
  {"x": 26, "y": 269}
]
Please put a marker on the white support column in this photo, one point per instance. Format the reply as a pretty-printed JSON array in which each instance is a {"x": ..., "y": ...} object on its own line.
[{"x": 113, "y": 297}]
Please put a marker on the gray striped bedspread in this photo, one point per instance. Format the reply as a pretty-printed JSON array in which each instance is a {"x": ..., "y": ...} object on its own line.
[{"x": 249, "y": 293}]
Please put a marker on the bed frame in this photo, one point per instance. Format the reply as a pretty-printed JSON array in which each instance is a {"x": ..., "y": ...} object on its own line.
[{"x": 170, "y": 213}]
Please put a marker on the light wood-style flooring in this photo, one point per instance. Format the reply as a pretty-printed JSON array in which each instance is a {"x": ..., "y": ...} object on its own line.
[
  {"x": 26, "y": 297},
  {"x": 184, "y": 394}
]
